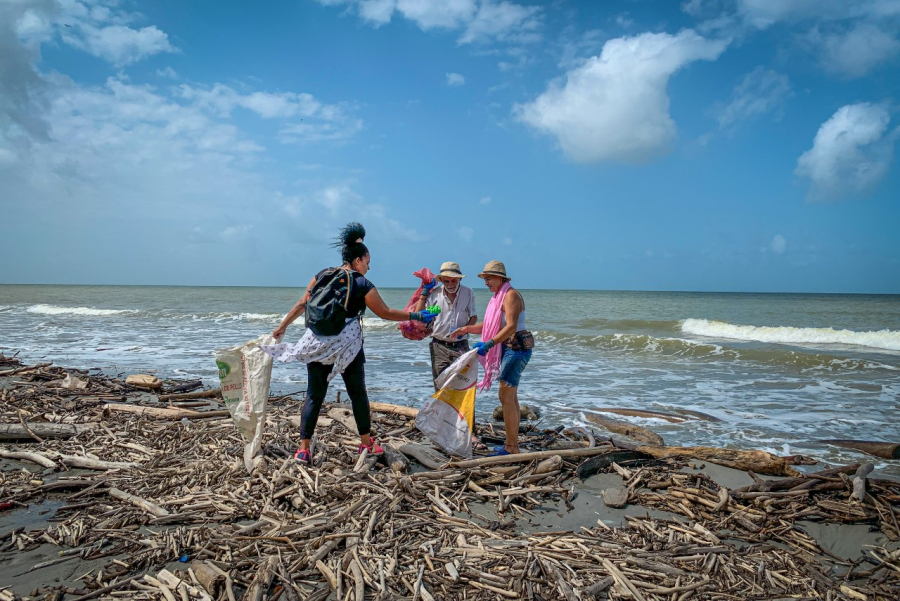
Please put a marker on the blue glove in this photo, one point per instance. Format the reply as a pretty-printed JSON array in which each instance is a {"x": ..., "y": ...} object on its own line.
[
  {"x": 483, "y": 347},
  {"x": 423, "y": 316},
  {"x": 427, "y": 288}
]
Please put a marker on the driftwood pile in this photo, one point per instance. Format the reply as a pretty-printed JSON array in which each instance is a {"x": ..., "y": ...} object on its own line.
[{"x": 160, "y": 488}]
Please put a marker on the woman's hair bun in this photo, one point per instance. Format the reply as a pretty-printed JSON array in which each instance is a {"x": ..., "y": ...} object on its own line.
[{"x": 350, "y": 234}]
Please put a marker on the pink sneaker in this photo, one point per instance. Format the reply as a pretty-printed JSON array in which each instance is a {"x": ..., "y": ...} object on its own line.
[
  {"x": 303, "y": 456},
  {"x": 374, "y": 449}
]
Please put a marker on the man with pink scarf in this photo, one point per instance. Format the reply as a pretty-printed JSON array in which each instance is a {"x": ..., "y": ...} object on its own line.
[{"x": 505, "y": 347}]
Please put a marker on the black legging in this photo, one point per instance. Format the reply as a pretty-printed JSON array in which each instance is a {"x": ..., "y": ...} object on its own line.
[{"x": 317, "y": 386}]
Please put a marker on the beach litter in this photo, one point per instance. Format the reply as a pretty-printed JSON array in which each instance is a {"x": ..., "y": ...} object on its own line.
[{"x": 136, "y": 491}]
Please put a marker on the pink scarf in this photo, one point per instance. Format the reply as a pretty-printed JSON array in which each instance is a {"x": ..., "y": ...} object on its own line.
[{"x": 491, "y": 361}]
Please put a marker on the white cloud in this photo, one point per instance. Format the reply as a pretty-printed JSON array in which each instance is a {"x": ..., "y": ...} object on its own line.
[
  {"x": 82, "y": 164},
  {"x": 854, "y": 52},
  {"x": 466, "y": 233},
  {"x": 428, "y": 14},
  {"x": 765, "y": 13},
  {"x": 455, "y": 79},
  {"x": 778, "y": 244},
  {"x": 342, "y": 204},
  {"x": 502, "y": 20},
  {"x": 615, "y": 106},
  {"x": 99, "y": 27},
  {"x": 485, "y": 200},
  {"x": 761, "y": 91},
  {"x": 851, "y": 153},
  {"x": 223, "y": 99},
  {"x": 377, "y": 12},
  {"x": 121, "y": 45},
  {"x": 507, "y": 241},
  {"x": 479, "y": 20},
  {"x": 168, "y": 72},
  {"x": 319, "y": 122},
  {"x": 849, "y": 38},
  {"x": 234, "y": 233}
]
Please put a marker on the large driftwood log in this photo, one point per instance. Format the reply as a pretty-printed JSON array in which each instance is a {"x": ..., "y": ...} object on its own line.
[
  {"x": 395, "y": 460},
  {"x": 396, "y": 409},
  {"x": 427, "y": 456},
  {"x": 151, "y": 508},
  {"x": 164, "y": 413},
  {"x": 525, "y": 457},
  {"x": 888, "y": 450},
  {"x": 52, "y": 459},
  {"x": 859, "y": 482},
  {"x": 626, "y": 429},
  {"x": 91, "y": 463},
  {"x": 42, "y": 429},
  {"x": 41, "y": 460},
  {"x": 199, "y": 394},
  {"x": 344, "y": 416},
  {"x": 755, "y": 461},
  {"x": 669, "y": 417},
  {"x": 801, "y": 480},
  {"x": 263, "y": 580},
  {"x": 591, "y": 466}
]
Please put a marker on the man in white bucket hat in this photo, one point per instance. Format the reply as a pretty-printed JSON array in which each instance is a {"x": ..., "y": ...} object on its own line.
[{"x": 457, "y": 303}]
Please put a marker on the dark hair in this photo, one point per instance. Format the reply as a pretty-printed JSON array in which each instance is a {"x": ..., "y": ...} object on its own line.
[{"x": 350, "y": 242}]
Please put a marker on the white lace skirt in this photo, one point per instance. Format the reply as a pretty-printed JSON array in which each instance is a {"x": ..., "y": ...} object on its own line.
[{"x": 337, "y": 350}]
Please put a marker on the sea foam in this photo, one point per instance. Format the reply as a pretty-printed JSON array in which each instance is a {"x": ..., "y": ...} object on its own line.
[
  {"x": 883, "y": 339},
  {"x": 88, "y": 311}
]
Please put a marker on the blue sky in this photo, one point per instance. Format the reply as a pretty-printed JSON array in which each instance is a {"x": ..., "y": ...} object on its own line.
[{"x": 733, "y": 145}]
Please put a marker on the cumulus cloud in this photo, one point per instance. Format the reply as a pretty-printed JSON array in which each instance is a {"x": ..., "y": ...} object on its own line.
[
  {"x": 99, "y": 27},
  {"x": 778, "y": 244},
  {"x": 319, "y": 121},
  {"x": 854, "y": 52},
  {"x": 851, "y": 153},
  {"x": 377, "y": 12},
  {"x": 849, "y": 39},
  {"x": 615, "y": 106},
  {"x": 502, "y": 20},
  {"x": 326, "y": 209},
  {"x": 455, "y": 79},
  {"x": 761, "y": 91},
  {"x": 765, "y": 13},
  {"x": 119, "y": 44},
  {"x": 234, "y": 233},
  {"x": 478, "y": 20},
  {"x": 151, "y": 152}
]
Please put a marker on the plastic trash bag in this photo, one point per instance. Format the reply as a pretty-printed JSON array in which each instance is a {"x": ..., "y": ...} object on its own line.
[
  {"x": 415, "y": 330},
  {"x": 245, "y": 372},
  {"x": 449, "y": 415}
]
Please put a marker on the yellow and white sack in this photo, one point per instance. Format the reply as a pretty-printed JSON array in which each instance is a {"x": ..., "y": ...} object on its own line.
[
  {"x": 246, "y": 372},
  {"x": 449, "y": 416}
]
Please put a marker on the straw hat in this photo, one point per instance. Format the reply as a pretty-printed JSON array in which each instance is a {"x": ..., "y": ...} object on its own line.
[
  {"x": 450, "y": 270},
  {"x": 494, "y": 268}
]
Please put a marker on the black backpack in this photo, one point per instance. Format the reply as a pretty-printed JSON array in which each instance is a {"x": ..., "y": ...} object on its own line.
[{"x": 326, "y": 310}]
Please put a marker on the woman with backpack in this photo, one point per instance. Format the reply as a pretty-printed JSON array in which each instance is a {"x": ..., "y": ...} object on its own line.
[{"x": 334, "y": 303}]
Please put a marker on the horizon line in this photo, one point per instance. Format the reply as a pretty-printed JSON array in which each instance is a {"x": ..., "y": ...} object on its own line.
[{"x": 524, "y": 289}]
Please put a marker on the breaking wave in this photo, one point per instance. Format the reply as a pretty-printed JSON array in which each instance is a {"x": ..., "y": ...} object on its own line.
[
  {"x": 678, "y": 347},
  {"x": 88, "y": 311},
  {"x": 882, "y": 339}
]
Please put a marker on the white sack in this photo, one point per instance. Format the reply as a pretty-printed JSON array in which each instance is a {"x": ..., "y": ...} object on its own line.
[{"x": 245, "y": 372}]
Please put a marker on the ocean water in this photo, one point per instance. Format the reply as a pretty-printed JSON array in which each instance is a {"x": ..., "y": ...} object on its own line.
[{"x": 780, "y": 371}]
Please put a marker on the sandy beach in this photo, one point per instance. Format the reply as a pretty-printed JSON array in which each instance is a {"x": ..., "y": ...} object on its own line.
[{"x": 168, "y": 509}]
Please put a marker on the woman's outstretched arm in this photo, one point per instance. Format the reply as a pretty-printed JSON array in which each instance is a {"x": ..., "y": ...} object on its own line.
[
  {"x": 295, "y": 312},
  {"x": 380, "y": 308}
]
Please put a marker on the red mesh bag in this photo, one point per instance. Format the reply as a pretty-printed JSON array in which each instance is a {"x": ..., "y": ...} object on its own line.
[{"x": 416, "y": 330}]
